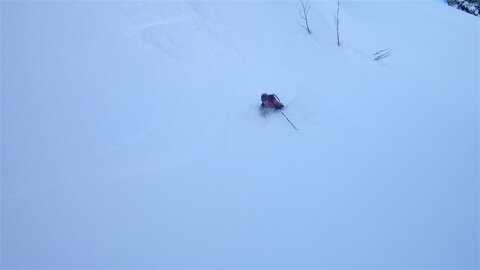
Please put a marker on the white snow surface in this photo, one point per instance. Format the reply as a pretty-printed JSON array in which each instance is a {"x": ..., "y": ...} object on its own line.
[{"x": 131, "y": 137}]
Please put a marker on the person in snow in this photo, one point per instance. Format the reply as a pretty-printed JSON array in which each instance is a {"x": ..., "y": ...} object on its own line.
[{"x": 270, "y": 102}]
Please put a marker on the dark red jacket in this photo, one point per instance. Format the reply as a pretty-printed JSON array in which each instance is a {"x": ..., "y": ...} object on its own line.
[{"x": 271, "y": 102}]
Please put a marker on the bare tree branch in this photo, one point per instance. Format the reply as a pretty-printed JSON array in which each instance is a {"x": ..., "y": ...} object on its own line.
[
  {"x": 382, "y": 54},
  {"x": 304, "y": 15},
  {"x": 337, "y": 22}
]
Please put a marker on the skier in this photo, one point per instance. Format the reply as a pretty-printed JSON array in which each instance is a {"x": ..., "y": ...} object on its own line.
[{"x": 270, "y": 103}]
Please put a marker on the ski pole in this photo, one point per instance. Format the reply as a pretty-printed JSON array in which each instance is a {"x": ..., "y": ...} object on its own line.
[
  {"x": 289, "y": 121},
  {"x": 285, "y": 115}
]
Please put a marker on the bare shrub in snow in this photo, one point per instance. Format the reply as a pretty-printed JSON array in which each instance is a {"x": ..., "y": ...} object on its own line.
[
  {"x": 304, "y": 15},
  {"x": 336, "y": 19},
  {"x": 382, "y": 54}
]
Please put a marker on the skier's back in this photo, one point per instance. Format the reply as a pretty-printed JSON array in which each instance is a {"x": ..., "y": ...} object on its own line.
[{"x": 270, "y": 102}]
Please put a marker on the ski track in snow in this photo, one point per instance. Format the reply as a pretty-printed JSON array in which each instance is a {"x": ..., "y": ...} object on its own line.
[{"x": 129, "y": 141}]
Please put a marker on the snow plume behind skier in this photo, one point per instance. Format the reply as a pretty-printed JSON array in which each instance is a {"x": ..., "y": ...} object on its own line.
[{"x": 270, "y": 103}]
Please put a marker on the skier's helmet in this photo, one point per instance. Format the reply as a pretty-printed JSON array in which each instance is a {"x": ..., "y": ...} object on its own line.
[{"x": 264, "y": 96}]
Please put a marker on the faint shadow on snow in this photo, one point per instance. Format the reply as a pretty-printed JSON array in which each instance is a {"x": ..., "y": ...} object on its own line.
[{"x": 138, "y": 137}]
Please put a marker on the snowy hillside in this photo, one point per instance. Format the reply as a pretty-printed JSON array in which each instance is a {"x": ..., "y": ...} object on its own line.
[{"x": 131, "y": 137}]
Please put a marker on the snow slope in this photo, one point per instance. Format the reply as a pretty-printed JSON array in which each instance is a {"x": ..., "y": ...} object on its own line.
[{"x": 131, "y": 136}]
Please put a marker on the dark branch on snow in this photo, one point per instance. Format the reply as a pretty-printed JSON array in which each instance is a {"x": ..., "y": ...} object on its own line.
[
  {"x": 304, "y": 15},
  {"x": 382, "y": 54}
]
